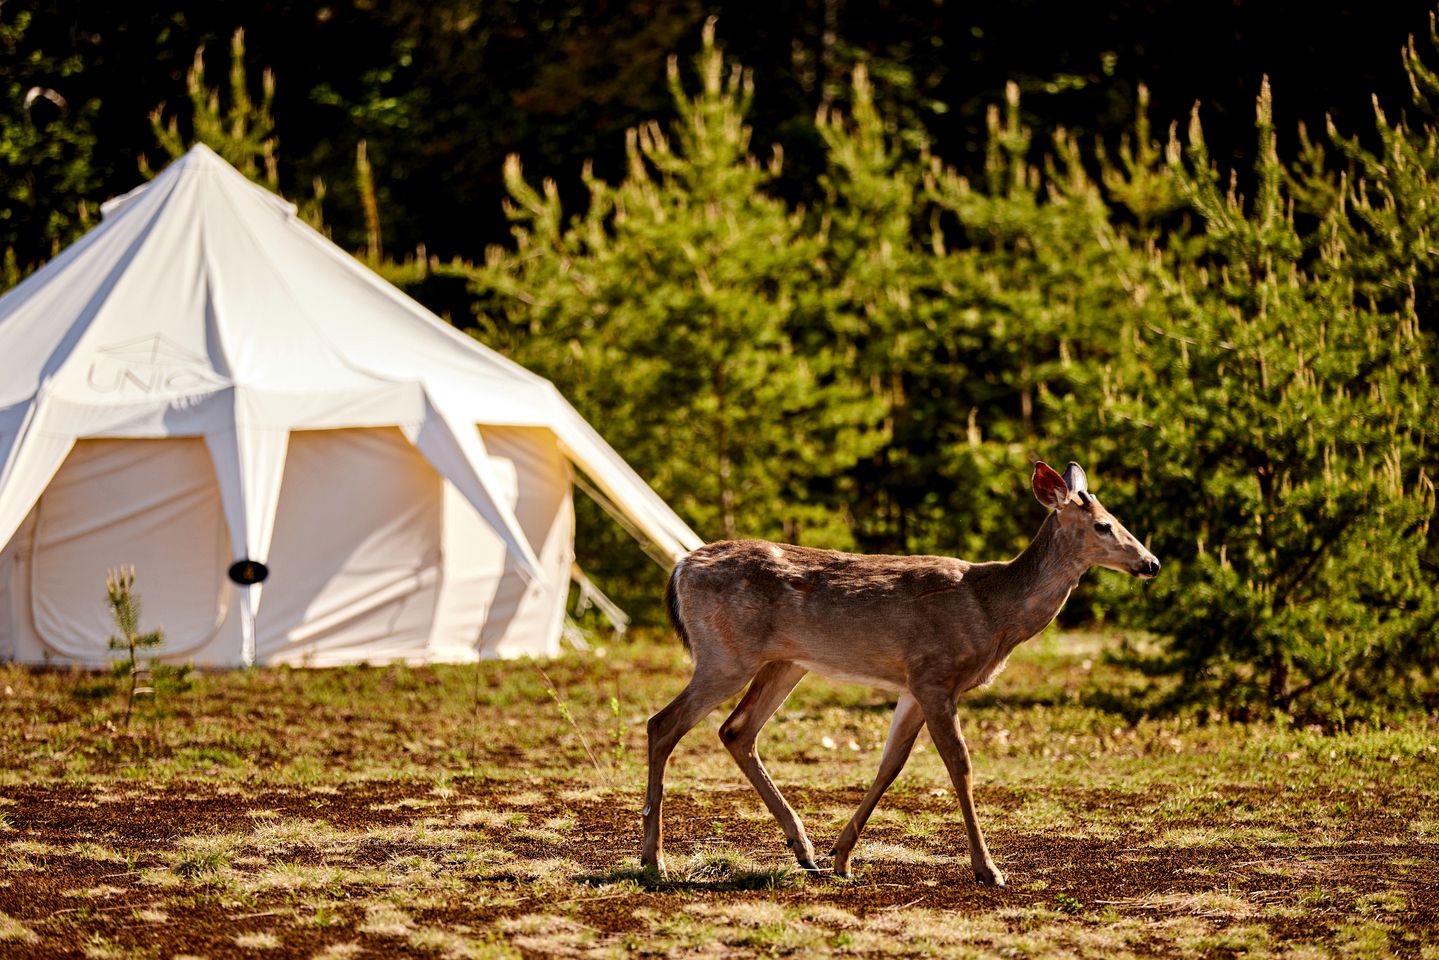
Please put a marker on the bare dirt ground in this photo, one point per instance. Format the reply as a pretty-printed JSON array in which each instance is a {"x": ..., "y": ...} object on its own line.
[{"x": 250, "y": 821}]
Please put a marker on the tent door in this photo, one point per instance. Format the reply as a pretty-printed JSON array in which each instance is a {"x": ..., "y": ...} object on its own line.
[
  {"x": 150, "y": 504},
  {"x": 355, "y": 561}
]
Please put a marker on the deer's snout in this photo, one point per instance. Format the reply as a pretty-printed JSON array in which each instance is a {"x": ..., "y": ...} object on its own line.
[{"x": 1147, "y": 568}]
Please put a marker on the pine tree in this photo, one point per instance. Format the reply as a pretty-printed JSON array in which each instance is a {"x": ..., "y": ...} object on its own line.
[
  {"x": 679, "y": 313},
  {"x": 1279, "y": 422},
  {"x": 125, "y": 611},
  {"x": 49, "y": 183},
  {"x": 241, "y": 131}
]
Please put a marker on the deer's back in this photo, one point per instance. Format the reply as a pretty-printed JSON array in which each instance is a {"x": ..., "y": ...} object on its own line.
[
  {"x": 842, "y": 614},
  {"x": 780, "y": 569}
]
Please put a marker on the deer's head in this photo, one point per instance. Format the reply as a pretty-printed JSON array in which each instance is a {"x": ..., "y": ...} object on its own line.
[{"x": 1086, "y": 527}]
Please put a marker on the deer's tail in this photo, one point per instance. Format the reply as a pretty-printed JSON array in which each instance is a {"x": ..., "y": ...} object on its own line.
[{"x": 672, "y": 603}]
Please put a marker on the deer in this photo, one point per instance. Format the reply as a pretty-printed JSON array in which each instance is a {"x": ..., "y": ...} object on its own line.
[{"x": 928, "y": 627}]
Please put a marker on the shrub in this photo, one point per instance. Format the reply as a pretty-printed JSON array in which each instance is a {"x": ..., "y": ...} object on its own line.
[{"x": 1250, "y": 378}]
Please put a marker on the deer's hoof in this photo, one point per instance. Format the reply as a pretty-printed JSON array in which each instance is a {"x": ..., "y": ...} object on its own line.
[{"x": 990, "y": 877}]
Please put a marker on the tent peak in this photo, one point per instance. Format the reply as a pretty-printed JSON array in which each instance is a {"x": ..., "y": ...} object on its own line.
[{"x": 199, "y": 159}]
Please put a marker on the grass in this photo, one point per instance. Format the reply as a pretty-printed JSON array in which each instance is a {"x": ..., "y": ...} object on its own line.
[{"x": 381, "y": 811}]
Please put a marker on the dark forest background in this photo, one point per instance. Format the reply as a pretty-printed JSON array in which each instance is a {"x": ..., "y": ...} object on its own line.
[{"x": 443, "y": 91}]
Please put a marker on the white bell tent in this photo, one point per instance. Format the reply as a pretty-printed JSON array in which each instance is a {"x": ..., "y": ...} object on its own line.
[{"x": 204, "y": 381}]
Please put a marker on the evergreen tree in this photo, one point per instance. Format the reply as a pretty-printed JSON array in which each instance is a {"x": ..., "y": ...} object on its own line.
[
  {"x": 680, "y": 313},
  {"x": 241, "y": 131},
  {"x": 48, "y": 182},
  {"x": 124, "y": 606},
  {"x": 1278, "y": 421}
]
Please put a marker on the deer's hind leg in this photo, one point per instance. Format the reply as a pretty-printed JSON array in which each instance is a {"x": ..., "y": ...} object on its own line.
[
  {"x": 903, "y": 729},
  {"x": 771, "y": 686},
  {"x": 711, "y": 686}
]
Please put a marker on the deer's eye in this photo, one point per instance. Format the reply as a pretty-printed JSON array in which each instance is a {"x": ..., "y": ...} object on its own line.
[{"x": 1104, "y": 529}]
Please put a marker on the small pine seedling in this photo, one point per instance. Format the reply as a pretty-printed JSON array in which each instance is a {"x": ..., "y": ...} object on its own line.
[{"x": 125, "y": 611}]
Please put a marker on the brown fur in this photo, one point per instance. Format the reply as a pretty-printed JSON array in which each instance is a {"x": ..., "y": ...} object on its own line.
[{"x": 930, "y": 627}]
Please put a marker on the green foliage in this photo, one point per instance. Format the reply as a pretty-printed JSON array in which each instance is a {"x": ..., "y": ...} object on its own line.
[
  {"x": 1279, "y": 420},
  {"x": 47, "y": 146},
  {"x": 1251, "y": 387},
  {"x": 125, "y": 611},
  {"x": 685, "y": 311},
  {"x": 241, "y": 131},
  {"x": 869, "y": 357}
]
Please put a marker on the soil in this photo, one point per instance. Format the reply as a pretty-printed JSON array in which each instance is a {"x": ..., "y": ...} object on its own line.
[{"x": 1085, "y": 876}]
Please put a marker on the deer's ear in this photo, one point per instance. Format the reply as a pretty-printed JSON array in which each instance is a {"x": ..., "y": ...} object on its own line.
[
  {"x": 1074, "y": 477},
  {"x": 1049, "y": 487}
]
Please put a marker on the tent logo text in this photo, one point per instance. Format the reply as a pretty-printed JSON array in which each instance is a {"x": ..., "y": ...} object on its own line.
[{"x": 149, "y": 366}]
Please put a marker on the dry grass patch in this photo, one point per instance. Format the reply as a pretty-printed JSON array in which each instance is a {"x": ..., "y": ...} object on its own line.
[
  {"x": 291, "y": 876},
  {"x": 547, "y": 934},
  {"x": 599, "y": 791},
  {"x": 541, "y": 835},
  {"x": 99, "y": 892},
  {"x": 1385, "y": 901},
  {"x": 257, "y": 941},
  {"x": 941, "y": 927},
  {"x": 829, "y": 916},
  {"x": 1364, "y": 939},
  {"x": 550, "y": 870},
  {"x": 753, "y": 925},
  {"x": 34, "y": 848},
  {"x": 100, "y": 948},
  {"x": 1424, "y": 827},
  {"x": 386, "y": 920},
  {"x": 489, "y": 817},
  {"x": 1209, "y": 903},
  {"x": 745, "y": 913},
  {"x": 297, "y": 835},
  {"x": 454, "y": 945},
  {"x": 94, "y": 851},
  {"x": 13, "y": 931},
  {"x": 339, "y": 951},
  {"x": 1193, "y": 837},
  {"x": 874, "y": 851}
]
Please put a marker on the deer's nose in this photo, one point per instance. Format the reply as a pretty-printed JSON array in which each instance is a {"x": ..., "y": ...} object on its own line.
[{"x": 1151, "y": 567}]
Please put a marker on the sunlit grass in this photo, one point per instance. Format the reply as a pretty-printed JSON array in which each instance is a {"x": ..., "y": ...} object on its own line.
[{"x": 392, "y": 810}]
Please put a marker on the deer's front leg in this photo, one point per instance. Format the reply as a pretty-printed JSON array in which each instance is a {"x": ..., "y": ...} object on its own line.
[
  {"x": 903, "y": 729},
  {"x": 944, "y": 731}
]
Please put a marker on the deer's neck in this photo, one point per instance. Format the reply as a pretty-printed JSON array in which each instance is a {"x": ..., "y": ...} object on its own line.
[{"x": 1039, "y": 580}]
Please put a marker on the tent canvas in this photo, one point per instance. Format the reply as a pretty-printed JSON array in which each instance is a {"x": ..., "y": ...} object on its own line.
[{"x": 203, "y": 379}]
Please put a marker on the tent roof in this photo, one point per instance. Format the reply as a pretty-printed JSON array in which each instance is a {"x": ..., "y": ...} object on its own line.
[{"x": 202, "y": 305}]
